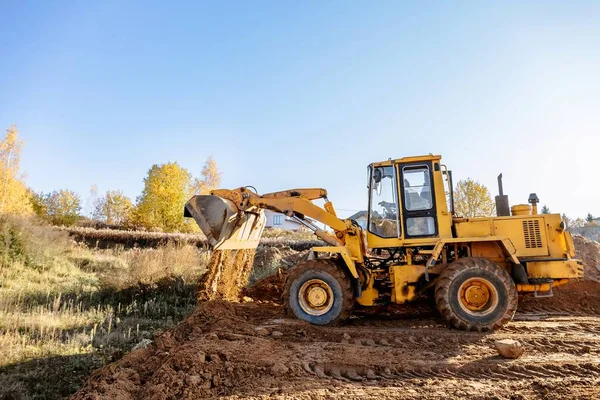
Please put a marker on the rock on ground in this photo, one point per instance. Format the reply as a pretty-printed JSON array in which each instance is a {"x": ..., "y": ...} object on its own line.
[{"x": 509, "y": 348}]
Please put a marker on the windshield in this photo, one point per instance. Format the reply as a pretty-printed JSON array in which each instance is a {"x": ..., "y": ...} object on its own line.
[{"x": 383, "y": 213}]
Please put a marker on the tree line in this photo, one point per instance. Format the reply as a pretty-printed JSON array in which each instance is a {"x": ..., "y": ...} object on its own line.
[{"x": 167, "y": 187}]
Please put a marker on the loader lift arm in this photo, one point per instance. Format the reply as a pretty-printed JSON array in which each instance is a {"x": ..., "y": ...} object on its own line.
[{"x": 237, "y": 211}]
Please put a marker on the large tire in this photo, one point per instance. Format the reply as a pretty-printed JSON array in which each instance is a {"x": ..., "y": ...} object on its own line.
[
  {"x": 328, "y": 283},
  {"x": 474, "y": 294}
]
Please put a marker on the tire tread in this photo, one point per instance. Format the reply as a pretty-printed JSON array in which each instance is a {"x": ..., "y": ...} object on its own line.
[
  {"x": 332, "y": 268},
  {"x": 442, "y": 293}
]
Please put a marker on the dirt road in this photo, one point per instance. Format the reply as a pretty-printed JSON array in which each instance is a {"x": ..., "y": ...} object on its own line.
[{"x": 250, "y": 350}]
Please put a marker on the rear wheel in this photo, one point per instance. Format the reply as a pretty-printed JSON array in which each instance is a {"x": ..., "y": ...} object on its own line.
[
  {"x": 319, "y": 292},
  {"x": 474, "y": 294}
]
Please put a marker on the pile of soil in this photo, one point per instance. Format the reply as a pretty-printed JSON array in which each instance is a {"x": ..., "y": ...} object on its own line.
[
  {"x": 227, "y": 274},
  {"x": 577, "y": 296},
  {"x": 275, "y": 263},
  {"x": 588, "y": 251},
  {"x": 247, "y": 350},
  {"x": 194, "y": 360}
]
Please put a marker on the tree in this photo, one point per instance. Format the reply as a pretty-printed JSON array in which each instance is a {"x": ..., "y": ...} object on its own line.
[
  {"x": 472, "y": 199},
  {"x": 166, "y": 190},
  {"x": 14, "y": 195},
  {"x": 545, "y": 209},
  {"x": 113, "y": 208},
  {"x": 589, "y": 218},
  {"x": 210, "y": 177},
  {"x": 60, "y": 207}
]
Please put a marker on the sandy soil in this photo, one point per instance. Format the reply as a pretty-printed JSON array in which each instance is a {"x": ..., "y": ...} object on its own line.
[
  {"x": 227, "y": 274},
  {"x": 221, "y": 350},
  {"x": 251, "y": 350}
]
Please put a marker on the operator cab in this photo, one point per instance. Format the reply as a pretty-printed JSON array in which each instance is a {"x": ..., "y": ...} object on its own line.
[{"x": 403, "y": 200}]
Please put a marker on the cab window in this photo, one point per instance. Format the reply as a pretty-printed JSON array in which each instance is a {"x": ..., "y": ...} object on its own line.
[
  {"x": 383, "y": 213},
  {"x": 417, "y": 188}
]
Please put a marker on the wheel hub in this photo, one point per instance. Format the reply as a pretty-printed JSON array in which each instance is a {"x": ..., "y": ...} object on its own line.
[
  {"x": 477, "y": 295},
  {"x": 315, "y": 297}
]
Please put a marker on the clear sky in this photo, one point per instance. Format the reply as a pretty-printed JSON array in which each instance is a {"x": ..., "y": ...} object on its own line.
[{"x": 305, "y": 94}]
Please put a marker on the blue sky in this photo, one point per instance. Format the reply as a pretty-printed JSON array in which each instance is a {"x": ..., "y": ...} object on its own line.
[{"x": 306, "y": 94}]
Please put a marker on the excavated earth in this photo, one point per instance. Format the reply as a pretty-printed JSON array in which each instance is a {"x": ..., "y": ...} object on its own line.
[{"x": 252, "y": 350}]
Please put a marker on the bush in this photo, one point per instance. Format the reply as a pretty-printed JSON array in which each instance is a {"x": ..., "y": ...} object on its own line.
[{"x": 27, "y": 241}]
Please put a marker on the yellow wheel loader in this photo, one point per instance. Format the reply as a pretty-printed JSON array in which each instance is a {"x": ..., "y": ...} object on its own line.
[{"x": 413, "y": 244}]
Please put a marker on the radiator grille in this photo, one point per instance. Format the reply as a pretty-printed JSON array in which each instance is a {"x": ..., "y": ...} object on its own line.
[{"x": 532, "y": 234}]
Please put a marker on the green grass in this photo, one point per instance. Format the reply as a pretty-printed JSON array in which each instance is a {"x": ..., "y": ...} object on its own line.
[{"x": 66, "y": 310}]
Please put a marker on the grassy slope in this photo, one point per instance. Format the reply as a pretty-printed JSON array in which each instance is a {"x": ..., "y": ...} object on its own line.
[{"x": 66, "y": 310}]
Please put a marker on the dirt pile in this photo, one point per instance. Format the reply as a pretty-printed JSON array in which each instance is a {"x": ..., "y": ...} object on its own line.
[
  {"x": 270, "y": 270},
  {"x": 589, "y": 251},
  {"x": 576, "y": 297},
  {"x": 247, "y": 350},
  {"x": 227, "y": 274}
]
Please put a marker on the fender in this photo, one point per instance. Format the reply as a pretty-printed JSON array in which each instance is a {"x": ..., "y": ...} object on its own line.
[{"x": 342, "y": 251}]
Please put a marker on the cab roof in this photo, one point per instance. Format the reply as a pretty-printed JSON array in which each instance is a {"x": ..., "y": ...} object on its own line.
[{"x": 405, "y": 160}]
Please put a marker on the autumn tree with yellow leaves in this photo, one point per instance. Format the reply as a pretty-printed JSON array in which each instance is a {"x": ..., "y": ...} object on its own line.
[
  {"x": 14, "y": 196},
  {"x": 60, "y": 207},
  {"x": 473, "y": 199},
  {"x": 166, "y": 190},
  {"x": 113, "y": 208},
  {"x": 210, "y": 177}
]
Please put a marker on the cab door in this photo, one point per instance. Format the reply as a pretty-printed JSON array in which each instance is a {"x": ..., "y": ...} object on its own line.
[{"x": 418, "y": 200}]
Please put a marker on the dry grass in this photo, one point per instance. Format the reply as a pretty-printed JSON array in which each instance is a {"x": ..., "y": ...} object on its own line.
[
  {"x": 66, "y": 310},
  {"x": 112, "y": 238}
]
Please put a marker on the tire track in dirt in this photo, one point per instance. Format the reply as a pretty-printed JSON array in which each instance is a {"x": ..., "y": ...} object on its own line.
[
  {"x": 494, "y": 372},
  {"x": 575, "y": 345}
]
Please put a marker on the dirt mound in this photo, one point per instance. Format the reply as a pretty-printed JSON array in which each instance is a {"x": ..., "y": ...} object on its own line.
[
  {"x": 270, "y": 270},
  {"x": 267, "y": 289},
  {"x": 589, "y": 251},
  {"x": 204, "y": 356},
  {"x": 247, "y": 350},
  {"x": 227, "y": 274},
  {"x": 576, "y": 297}
]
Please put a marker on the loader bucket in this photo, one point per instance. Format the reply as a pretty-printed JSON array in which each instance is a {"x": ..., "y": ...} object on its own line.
[{"x": 225, "y": 227}]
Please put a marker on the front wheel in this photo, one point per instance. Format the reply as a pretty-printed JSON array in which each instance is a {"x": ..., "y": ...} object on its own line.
[
  {"x": 319, "y": 292},
  {"x": 474, "y": 294}
]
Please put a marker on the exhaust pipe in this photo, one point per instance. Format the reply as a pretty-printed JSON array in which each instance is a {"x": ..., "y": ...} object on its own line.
[{"x": 502, "y": 206}]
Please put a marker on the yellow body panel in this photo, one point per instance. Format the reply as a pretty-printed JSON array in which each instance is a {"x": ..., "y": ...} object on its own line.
[
  {"x": 570, "y": 247},
  {"x": 403, "y": 278},
  {"x": 526, "y": 232},
  {"x": 369, "y": 295},
  {"x": 555, "y": 269},
  {"x": 539, "y": 287}
]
